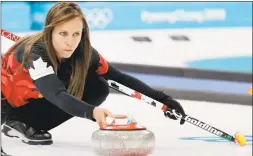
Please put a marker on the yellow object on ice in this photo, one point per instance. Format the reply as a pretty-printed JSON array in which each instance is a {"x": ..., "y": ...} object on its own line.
[
  {"x": 240, "y": 139},
  {"x": 250, "y": 90}
]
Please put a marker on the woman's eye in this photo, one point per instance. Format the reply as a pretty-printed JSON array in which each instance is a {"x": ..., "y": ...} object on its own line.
[
  {"x": 76, "y": 34},
  {"x": 63, "y": 33}
]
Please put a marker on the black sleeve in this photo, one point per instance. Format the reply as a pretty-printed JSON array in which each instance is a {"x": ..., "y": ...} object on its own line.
[
  {"x": 55, "y": 92},
  {"x": 127, "y": 80},
  {"x": 108, "y": 71},
  {"x": 50, "y": 86}
]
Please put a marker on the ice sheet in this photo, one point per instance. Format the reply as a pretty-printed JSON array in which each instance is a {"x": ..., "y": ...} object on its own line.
[{"x": 74, "y": 136}]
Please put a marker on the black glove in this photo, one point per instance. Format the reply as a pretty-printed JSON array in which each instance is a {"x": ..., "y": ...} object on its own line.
[{"x": 171, "y": 104}]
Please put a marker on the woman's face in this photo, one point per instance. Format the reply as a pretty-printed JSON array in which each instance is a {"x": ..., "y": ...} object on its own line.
[{"x": 66, "y": 37}]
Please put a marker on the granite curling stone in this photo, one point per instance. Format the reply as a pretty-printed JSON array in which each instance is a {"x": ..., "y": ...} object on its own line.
[{"x": 123, "y": 137}]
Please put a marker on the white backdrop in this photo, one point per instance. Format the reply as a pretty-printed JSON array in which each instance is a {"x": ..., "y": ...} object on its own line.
[{"x": 119, "y": 47}]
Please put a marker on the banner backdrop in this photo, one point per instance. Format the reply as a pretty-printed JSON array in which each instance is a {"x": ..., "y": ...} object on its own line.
[{"x": 135, "y": 15}]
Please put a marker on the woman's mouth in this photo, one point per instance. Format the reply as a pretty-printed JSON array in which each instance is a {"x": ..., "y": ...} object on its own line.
[{"x": 68, "y": 50}]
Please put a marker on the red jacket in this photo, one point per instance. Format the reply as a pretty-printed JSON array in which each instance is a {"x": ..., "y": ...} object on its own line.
[{"x": 17, "y": 86}]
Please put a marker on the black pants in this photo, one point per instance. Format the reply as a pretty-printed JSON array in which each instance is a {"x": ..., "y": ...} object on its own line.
[
  {"x": 43, "y": 115},
  {"x": 5, "y": 109}
]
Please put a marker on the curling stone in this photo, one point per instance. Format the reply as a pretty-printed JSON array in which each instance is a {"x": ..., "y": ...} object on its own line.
[{"x": 123, "y": 137}]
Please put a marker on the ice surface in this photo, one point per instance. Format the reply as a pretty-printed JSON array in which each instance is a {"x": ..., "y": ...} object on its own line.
[{"x": 73, "y": 138}]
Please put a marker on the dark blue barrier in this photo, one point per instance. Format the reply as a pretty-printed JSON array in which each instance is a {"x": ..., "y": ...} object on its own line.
[{"x": 194, "y": 84}]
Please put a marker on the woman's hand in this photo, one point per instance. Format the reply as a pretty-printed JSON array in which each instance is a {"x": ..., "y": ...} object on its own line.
[{"x": 100, "y": 114}]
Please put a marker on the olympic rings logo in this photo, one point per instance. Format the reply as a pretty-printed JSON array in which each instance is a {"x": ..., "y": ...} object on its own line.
[{"x": 98, "y": 18}]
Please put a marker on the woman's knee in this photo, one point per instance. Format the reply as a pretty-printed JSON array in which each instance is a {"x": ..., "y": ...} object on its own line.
[{"x": 96, "y": 91}]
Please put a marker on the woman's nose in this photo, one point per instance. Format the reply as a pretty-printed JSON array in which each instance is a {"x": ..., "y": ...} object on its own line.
[{"x": 69, "y": 41}]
